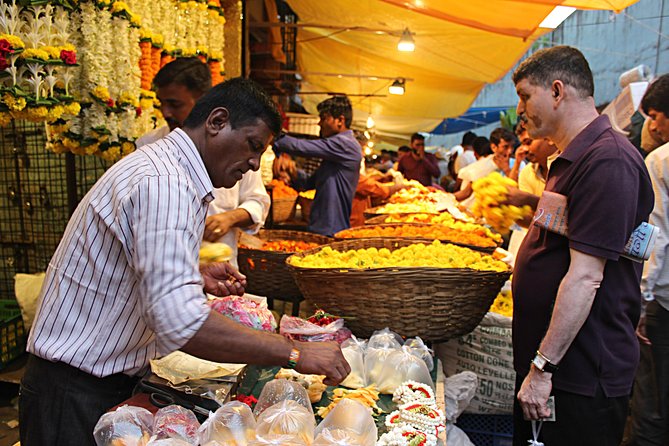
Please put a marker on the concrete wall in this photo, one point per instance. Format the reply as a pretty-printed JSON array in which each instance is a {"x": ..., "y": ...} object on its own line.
[{"x": 612, "y": 43}]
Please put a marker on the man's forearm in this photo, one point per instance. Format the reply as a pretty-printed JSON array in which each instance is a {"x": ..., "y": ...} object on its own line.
[
  {"x": 222, "y": 340},
  {"x": 241, "y": 218},
  {"x": 573, "y": 303}
]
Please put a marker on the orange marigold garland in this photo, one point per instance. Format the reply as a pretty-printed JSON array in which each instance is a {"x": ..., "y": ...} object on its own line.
[{"x": 145, "y": 64}]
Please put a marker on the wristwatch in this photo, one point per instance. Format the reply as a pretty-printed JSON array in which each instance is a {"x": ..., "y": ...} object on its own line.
[{"x": 544, "y": 364}]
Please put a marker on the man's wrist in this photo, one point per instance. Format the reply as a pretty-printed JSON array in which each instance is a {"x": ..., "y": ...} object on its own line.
[{"x": 543, "y": 364}]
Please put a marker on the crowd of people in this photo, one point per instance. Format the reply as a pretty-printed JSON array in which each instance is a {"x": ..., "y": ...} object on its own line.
[{"x": 125, "y": 286}]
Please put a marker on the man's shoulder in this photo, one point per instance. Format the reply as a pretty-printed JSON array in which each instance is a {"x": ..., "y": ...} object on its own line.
[
  {"x": 152, "y": 136},
  {"x": 658, "y": 155}
]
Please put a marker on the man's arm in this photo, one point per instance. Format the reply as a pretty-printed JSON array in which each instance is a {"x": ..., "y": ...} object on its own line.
[
  {"x": 521, "y": 154},
  {"x": 221, "y": 339},
  {"x": 329, "y": 149},
  {"x": 572, "y": 307},
  {"x": 432, "y": 165},
  {"x": 218, "y": 225}
]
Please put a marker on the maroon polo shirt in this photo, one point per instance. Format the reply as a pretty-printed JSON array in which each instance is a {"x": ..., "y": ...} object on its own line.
[
  {"x": 422, "y": 170},
  {"x": 609, "y": 194}
]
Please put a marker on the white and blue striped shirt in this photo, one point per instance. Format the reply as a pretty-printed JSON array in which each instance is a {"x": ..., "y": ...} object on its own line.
[{"x": 124, "y": 287}]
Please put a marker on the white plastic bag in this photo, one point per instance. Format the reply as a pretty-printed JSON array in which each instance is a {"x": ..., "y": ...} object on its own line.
[
  {"x": 348, "y": 420},
  {"x": 168, "y": 442},
  {"x": 339, "y": 437},
  {"x": 353, "y": 350},
  {"x": 458, "y": 392},
  {"x": 176, "y": 422},
  {"x": 287, "y": 417},
  {"x": 375, "y": 358},
  {"x": 278, "y": 440},
  {"x": 232, "y": 424},
  {"x": 421, "y": 350},
  {"x": 128, "y": 425},
  {"x": 385, "y": 339},
  {"x": 401, "y": 366},
  {"x": 279, "y": 390}
]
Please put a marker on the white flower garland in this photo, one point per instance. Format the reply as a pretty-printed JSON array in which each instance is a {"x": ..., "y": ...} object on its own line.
[
  {"x": 425, "y": 418},
  {"x": 412, "y": 392},
  {"x": 404, "y": 435}
]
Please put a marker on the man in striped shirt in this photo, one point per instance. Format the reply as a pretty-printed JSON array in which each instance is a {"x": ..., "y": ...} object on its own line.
[{"x": 124, "y": 285}]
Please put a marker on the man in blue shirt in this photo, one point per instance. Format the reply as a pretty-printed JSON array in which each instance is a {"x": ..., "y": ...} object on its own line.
[{"x": 337, "y": 177}]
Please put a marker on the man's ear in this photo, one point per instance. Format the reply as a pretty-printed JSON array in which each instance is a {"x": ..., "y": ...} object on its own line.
[{"x": 217, "y": 120}]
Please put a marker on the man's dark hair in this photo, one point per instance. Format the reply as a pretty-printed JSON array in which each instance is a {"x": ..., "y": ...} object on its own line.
[
  {"x": 499, "y": 134},
  {"x": 337, "y": 106},
  {"x": 468, "y": 139},
  {"x": 482, "y": 146},
  {"x": 657, "y": 96},
  {"x": 187, "y": 71},
  {"x": 416, "y": 136},
  {"x": 563, "y": 63},
  {"x": 404, "y": 149},
  {"x": 245, "y": 101}
]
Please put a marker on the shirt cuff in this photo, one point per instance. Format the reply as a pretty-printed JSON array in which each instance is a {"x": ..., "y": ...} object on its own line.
[
  {"x": 256, "y": 211},
  {"x": 171, "y": 341}
]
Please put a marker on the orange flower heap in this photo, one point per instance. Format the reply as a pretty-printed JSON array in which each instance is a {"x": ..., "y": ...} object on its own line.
[{"x": 432, "y": 232}]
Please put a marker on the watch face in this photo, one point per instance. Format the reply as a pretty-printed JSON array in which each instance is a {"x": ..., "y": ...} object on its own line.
[{"x": 539, "y": 362}]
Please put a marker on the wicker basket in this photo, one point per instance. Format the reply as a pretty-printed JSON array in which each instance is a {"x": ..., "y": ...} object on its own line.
[
  {"x": 283, "y": 208},
  {"x": 486, "y": 249},
  {"x": 266, "y": 271},
  {"x": 436, "y": 304}
]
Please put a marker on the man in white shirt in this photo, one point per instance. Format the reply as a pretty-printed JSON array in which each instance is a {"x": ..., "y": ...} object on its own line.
[
  {"x": 467, "y": 156},
  {"x": 124, "y": 285},
  {"x": 179, "y": 84}
]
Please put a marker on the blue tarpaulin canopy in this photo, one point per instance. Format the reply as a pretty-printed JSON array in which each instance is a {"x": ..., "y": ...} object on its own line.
[{"x": 473, "y": 118}]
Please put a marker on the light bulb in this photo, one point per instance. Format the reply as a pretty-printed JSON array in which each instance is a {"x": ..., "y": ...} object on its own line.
[
  {"x": 370, "y": 122},
  {"x": 406, "y": 43}
]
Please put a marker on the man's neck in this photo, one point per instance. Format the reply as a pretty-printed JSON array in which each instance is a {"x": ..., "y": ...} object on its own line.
[{"x": 575, "y": 122}]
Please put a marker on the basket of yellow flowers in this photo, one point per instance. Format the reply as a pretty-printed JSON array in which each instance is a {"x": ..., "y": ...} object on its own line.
[{"x": 437, "y": 290}]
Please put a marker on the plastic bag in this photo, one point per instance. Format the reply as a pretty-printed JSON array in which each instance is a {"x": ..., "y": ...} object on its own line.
[
  {"x": 279, "y": 390},
  {"x": 421, "y": 350},
  {"x": 349, "y": 419},
  {"x": 169, "y": 442},
  {"x": 385, "y": 339},
  {"x": 340, "y": 437},
  {"x": 253, "y": 314},
  {"x": 458, "y": 392},
  {"x": 302, "y": 330},
  {"x": 375, "y": 358},
  {"x": 232, "y": 424},
  {"x": 278, "y": 440},
  {"x": 456, "y": 436},
  {"x": 287, "y": 417},
  {"x": 176, "y": 422},
  {"x": 353, "y": 350},
  {"x": 126, "y": 426},
  {"x": 400, "y": 366}
]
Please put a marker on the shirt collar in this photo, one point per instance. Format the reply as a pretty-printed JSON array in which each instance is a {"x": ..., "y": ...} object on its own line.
[
  {"x": 583, "y": 141},
  {"x": 190, "y": 159}
]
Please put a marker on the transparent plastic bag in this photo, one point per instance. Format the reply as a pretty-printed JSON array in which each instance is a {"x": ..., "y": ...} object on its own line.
[
  {"x": 246, "y": 311},
  {"x": 302, "y": 330},
  {"x": 400, "y": 366},
  {"x": 421, "y": 350},
  {"x": 375, "y": 358},
  {"x": 278, "y": 440},
  {"x": 279, "y": 390},
  {"x": 353, "y": 350},
  {"x": 339, "y": 437},
  {"x": 349, "y": 419},
  {"x": 385, "y": 339},
  {"x": 232, "y": 424},
  {"x": 169, "y": 442},
  {"x": 126, "y": 426},
  {"x": 287, "y": 417},
  {"x": 176, "y": 422}
]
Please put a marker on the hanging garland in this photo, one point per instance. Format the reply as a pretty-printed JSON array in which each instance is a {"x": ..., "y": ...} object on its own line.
[{"x": 86, "y": 68}]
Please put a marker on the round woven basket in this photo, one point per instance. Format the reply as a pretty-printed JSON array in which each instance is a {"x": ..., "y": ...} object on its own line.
[
  {"x": 486, "y": 249},
  {"x": 436, "y": 304},
  {"x": 305, "y": 205},
  {"x": 283, "y": 208},
  {"x": 266, "y": 271}
]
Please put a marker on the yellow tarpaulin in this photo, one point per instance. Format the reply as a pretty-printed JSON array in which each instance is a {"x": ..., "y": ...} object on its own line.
[{"x": 460, "y": 47}]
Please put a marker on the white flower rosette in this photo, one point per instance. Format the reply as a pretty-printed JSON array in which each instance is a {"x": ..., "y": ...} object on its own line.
[
  {"x": 414, "y": 392},
  {"x": 405, "y": 436},
  {"x": 422, "y": 417}
]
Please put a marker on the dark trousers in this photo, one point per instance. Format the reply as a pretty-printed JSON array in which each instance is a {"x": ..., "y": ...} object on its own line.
[
  {"x": 60, "y": 405},
  {"x": 579, "y": 420},
  {"x": 650, "y": 399}
]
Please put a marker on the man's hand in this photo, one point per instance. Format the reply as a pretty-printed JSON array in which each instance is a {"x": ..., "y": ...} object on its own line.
[
  {"x": 521, "y": 153},
  {"x": 517, "y": 197},
  {"x": 222, "y": 279},
  {"x": 641, "y": 331},
  {"x": 323, "y": 358},
  {"x": 418, "y": 154},
  {"x": 216, "y": 226},
  {"x": 502, "y": 163},
  {"x": 534, "y": 393}
]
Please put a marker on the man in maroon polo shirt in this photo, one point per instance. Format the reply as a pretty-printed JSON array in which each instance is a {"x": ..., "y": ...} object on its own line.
[{"x": 576, "y": 300}]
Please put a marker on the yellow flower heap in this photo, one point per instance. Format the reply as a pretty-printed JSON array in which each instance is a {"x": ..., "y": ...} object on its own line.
[
  {"x": 445, "y": 219},
  {"x": 503, "y": 304},
  {"x": 434, "y": 255},
  {"x": 490, "y": 192}
]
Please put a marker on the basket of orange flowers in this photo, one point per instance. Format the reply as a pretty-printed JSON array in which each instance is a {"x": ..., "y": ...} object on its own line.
[
  {"x": 265, "y": 266},
  {"x": 284, "y": 198}
]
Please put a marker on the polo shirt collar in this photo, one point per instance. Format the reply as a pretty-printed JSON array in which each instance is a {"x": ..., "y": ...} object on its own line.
[
  {"x": 191, "y": 160},
  {"x": 582, "y": 143}
]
